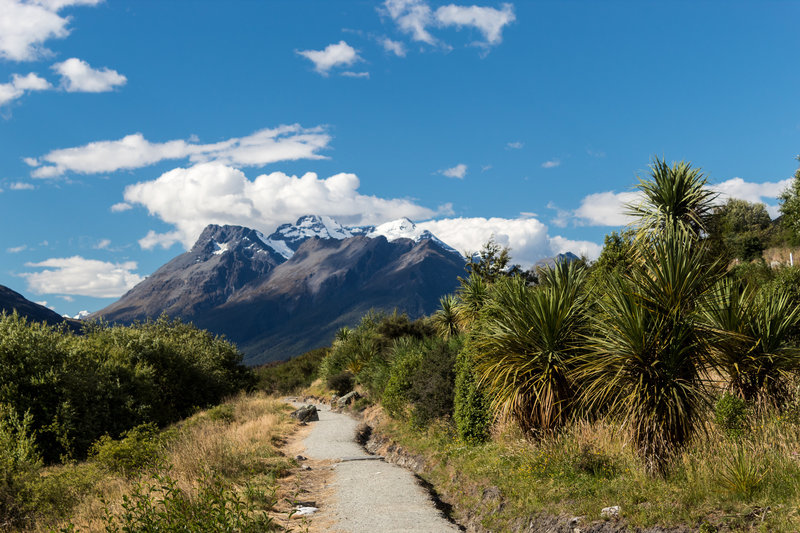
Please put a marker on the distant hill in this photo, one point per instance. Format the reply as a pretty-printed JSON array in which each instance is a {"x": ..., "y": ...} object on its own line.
[
  {"x": 11, "y": 301},
  {"x": 280, "y": 295},
  {"x": 552, "y": 261}
]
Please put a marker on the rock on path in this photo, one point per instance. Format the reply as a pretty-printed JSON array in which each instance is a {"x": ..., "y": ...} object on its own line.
[{"x": 371, "y": 495}]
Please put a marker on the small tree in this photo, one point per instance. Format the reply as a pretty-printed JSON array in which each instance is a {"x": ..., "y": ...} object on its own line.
[{"x": 790, "y": 208}]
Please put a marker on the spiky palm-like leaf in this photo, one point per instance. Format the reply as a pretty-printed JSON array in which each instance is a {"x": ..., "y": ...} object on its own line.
[
  {"x": 752, "y": 340},
  {"x": 526, "y": 345},
  {"x": 646, "y": 359},
  {"x": 674, "y": 196},
  {"x": 472, "y": 295},
  {"x": 446, "y": 317}
]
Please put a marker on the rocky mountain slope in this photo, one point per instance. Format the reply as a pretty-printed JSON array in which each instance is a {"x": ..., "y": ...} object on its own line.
[
  {"x": 11, "y": 301},
  {"x": 279, "y": 295}
]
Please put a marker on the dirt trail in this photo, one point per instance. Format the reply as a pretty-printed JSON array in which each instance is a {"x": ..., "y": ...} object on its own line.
[{"x": 368, "y": 495}]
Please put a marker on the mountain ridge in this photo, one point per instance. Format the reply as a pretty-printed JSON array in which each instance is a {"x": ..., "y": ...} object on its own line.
[{"x": 279, "y": 295}]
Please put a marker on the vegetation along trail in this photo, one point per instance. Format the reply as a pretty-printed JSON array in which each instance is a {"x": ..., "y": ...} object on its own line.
[{"x": 370, "y": 495}]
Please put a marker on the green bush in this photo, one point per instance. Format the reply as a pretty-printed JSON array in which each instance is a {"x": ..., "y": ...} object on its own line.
[
  {"x": 287, "y": 377},
  {"x": 433, "y": 381},
  {"x": 110, "y": 379},
  {"x": 138, "y": 448},
  {"x": 471, "y": 406},
  {"x": 19, "y": 463},
  {"x": 160, "y": 505},
  {"x": 342, "y": 383},
  {"x": 730, "y": 413},
  {"x": 406, "y": 357}
]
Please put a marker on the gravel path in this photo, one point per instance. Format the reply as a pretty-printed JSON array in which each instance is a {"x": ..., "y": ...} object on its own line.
[{"x": 371, "y": 496}]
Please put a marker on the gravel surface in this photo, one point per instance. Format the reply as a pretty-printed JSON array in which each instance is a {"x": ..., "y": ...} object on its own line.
[{"x": 371, "y": 496}]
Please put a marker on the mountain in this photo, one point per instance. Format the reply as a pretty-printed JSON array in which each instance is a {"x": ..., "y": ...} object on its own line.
[
  {"x": 568, "y": 257},
  {"x": 11, "y": 301},
  {"x": 279, "y": 295}
]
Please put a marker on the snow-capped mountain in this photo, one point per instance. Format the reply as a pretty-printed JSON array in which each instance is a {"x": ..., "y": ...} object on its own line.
[
  {"x": 288, "y": 237},
  {"x": 279, "y": 295}
]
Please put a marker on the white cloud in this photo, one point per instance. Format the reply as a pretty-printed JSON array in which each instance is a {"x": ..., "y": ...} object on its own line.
[
  {"x": 458, "y": 171},
  {"x": 553, "y": 163},
  {"x": 82, "y": 277},
  {"x": 43, "y": 303},
  {"x": 487, "y": 20},
  {"x": 17, "y": 249},
  {"x": 26, "y": 25},
  {"x": 78, "y": 76},
  {"x": 350, "y": 74},
  {"x": 516, "y": 145},
  {"x": 412, "y": 17},
  {"x": 191, "y": 198},
  {"x": 608, "y": 208},
  {"x": 21, "y": 186},
  {"x": 19, "y": 85},
  {"x": 333, "y": 55},
  {"x": 284, "y": 143},
  {"x": 396, "y": 47},
  {"x": 119, "y": 207},
  {"x": 527, "y": 237},
  {"x": 103, "y": 244}
]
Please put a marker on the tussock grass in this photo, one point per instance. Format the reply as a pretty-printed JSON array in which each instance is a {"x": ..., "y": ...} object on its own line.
[
  {"x": 236, "y": 443},
  {"x": 587, "y": 466}
]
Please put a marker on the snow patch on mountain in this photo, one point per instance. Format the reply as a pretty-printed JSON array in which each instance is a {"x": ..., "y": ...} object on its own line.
[{"x": 221, "y": 248}]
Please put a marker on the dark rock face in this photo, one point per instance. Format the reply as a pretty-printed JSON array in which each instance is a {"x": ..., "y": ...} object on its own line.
[
  {"x": 11, "y": 301},
  {"x": 281, "y": 295}
]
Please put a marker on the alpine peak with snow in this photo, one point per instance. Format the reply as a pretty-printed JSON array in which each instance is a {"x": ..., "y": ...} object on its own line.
[{"x": 281, "y": 294}]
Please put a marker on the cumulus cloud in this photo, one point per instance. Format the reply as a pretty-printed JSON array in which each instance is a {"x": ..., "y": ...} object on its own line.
[
  {"x": 284, "y": 143},
  {"x": 333, "y": 55},
  {"x": 553, "y": 163},
  {"x": 82, "y": 277},
  {"x": 608, "y": 208},
  {"x": 102, "y": 244},
  {"x": 516, "y": 145},
  {"x": 412, "y": 17},
  {"x": 395, "y": 47},
  {"x": 17, "y": 249},
  {"x": 415, "y": 17},
  {"x": 78, "y": 76},
  {"x": 458, "y": 171},
  {"x": 21, "y": 84},
  {"x": 487, "y": 20},
  {"x": 26, "y": 24},
  {"x": 191, "y": 198},
  {"x": 527, "y": 237}
]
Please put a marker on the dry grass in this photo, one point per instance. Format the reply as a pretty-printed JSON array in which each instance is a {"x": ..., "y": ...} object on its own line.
[
  {"x": 751, "y": 484},
  {"x": 238, "y": 441}
]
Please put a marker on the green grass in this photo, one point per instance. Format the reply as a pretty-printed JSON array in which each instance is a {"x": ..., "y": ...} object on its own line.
[{"x": 590, "y": 466}]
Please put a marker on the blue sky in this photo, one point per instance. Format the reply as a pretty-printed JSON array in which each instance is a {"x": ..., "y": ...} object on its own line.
[{"x": 125, "y": 127}]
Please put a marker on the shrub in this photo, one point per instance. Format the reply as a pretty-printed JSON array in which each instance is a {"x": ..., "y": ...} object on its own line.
[
  {"x": 433, "y": 381},
  {"x": 161, "y": 505},
  {"x": 290, "y": 376},
  {"x": 730, "y": 413},
  {"x": 137, "y": 449},
  {"x": 341, "y": 383},
  {"x": 471, "y": 406},
  {"x": 19, "y": 463},
  {"x": 406, "y": 358}
]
